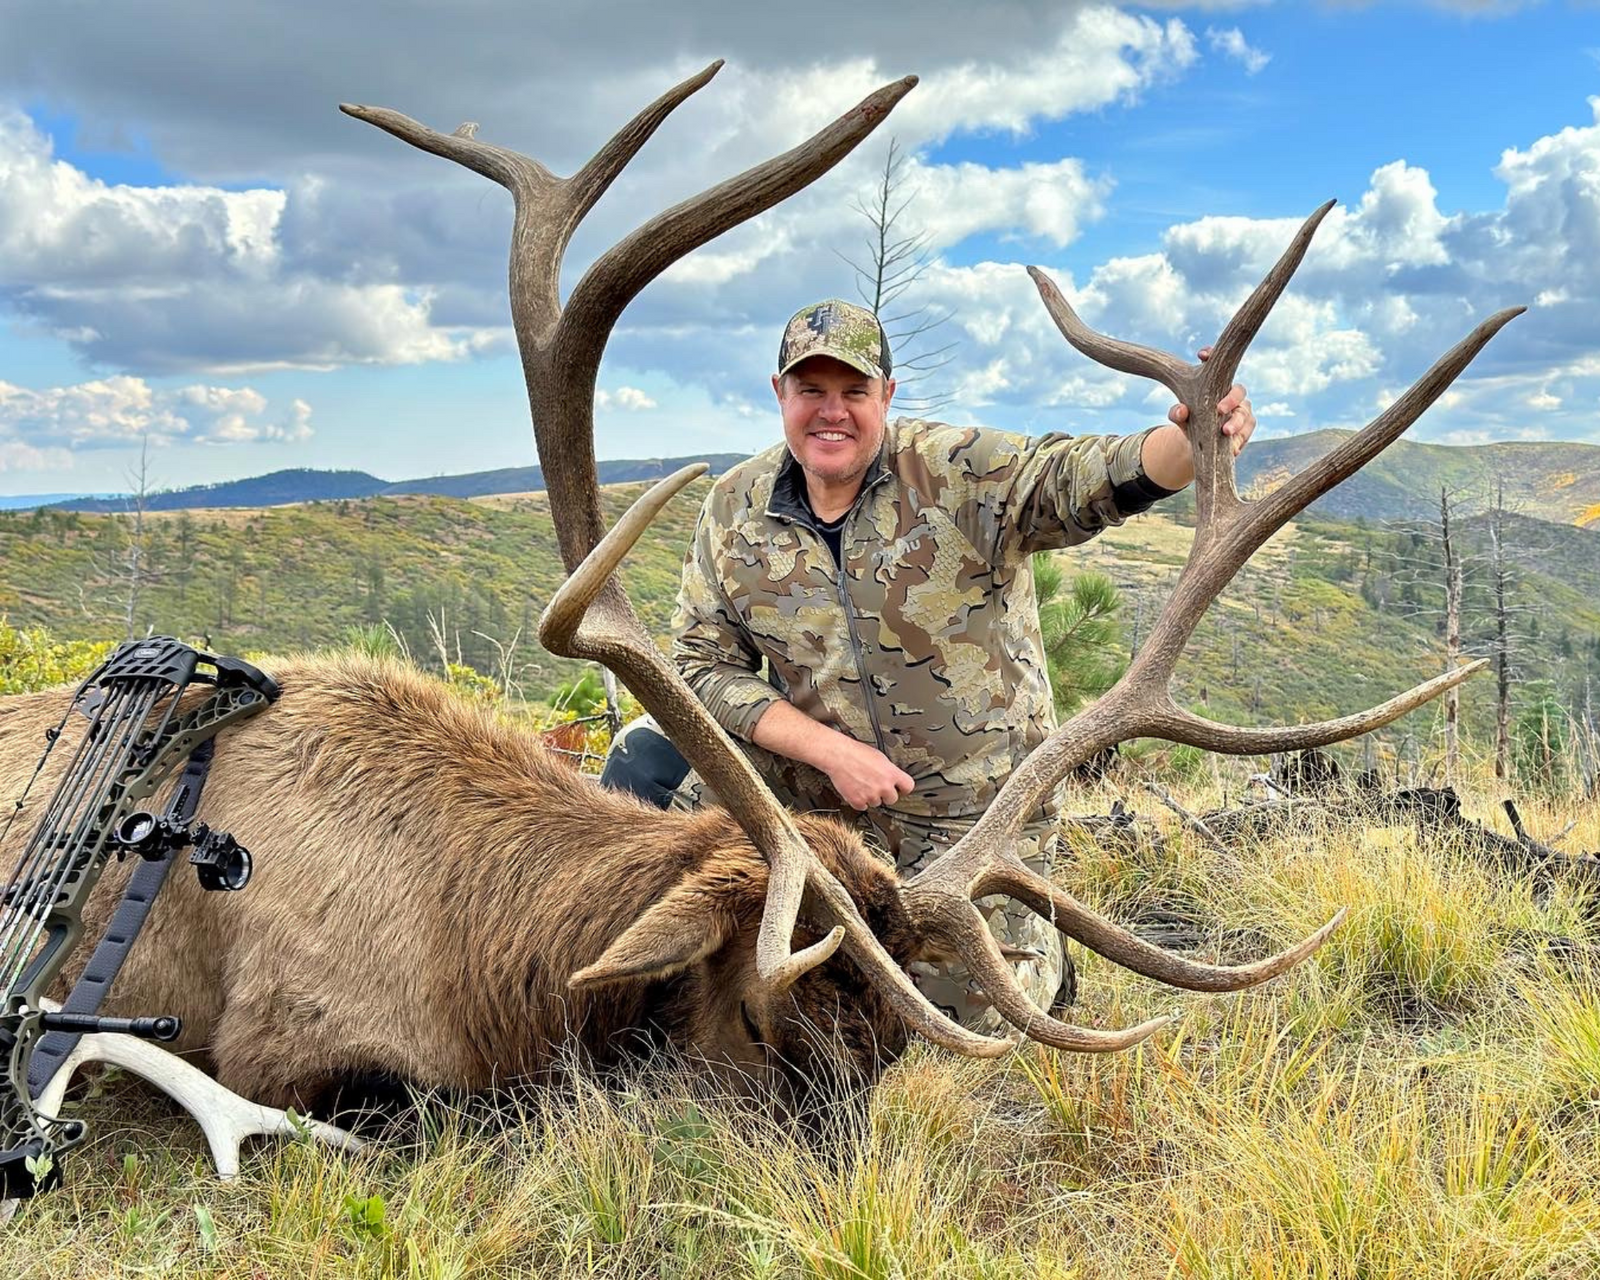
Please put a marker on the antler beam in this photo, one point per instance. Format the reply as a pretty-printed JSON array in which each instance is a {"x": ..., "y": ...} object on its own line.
[
  {"x": 590, "y": 617},
  {"x": 1227, "y": 531}
]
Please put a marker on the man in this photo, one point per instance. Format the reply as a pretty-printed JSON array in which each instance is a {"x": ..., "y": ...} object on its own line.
[{"x": 881, "y": 573}]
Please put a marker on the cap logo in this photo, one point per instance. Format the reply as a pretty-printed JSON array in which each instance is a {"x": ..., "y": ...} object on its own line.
[{"x": 842, "y": 330}]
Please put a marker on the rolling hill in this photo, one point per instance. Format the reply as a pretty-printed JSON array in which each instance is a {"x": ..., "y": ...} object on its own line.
[
  {"x": 1556, "y": 481},
  {"x": 1329, "y": 617}
]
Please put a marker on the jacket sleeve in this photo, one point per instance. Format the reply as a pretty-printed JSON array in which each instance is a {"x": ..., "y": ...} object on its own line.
[
  {"x": 1058, "y": 490},
  {"x": 711, "y": 648}
]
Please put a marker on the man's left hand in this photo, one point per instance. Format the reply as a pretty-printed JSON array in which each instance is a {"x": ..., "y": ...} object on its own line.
[{"x": 1238, "y": 420}]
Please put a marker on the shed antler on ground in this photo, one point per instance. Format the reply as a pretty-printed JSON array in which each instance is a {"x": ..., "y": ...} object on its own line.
[{"x": 590, "y": 617}]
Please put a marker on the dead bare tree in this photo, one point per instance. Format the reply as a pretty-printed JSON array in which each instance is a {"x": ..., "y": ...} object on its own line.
[
  {"x": 590, "y": 618},
  {"x": 1513, "y": 622},
  {"x": 1438, "y": 558},
  {"x": 897, "y": 259},
  {"x": 124, "y": 570}
]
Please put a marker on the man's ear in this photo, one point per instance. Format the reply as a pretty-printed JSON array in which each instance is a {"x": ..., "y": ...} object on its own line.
[
  {"x": 888, "y": 391},
  {"x": 777, "y": 386},
  {"x": 695, "y": 920}
]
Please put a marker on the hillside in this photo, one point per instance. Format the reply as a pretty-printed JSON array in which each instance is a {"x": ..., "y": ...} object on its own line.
[
  {"x": 1552, "y": 480},
  {"x": 1329, "y": 617},
  {"x": 1556, "y": 481},
  {"x": 301, "y": 576}
]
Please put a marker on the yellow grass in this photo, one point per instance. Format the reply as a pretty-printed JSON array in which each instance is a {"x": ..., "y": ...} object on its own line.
[{"x": 1422, "y": 1098}]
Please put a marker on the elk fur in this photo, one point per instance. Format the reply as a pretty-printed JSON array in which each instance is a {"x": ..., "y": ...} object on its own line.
[{"x": 428, "y": 880}]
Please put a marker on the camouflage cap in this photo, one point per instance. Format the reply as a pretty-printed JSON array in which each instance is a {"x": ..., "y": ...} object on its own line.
[{"x": 838, "y": 329}]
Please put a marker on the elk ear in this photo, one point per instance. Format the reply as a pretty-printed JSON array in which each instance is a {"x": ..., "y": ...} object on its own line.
[{"x": 694, "y": 920}]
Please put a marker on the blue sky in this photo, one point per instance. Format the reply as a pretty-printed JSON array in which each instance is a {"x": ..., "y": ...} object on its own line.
[{"x": 198, "y": 249}]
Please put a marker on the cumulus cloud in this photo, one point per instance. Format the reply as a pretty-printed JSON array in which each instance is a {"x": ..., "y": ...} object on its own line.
[
  {"x": 38, "y": 428},
  {"x": 357, "y": 250},
  {"x": 16, "y": 456},
  {"x": 1230, "y": 42},
  {"x": 628, "y": 398},
  {"x": 1390, "y": 283},
  {"x": 307, "y": 240},
  {"x": 183, "y": 278}
]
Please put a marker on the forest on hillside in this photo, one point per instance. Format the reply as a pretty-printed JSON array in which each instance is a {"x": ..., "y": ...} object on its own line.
[{"x": 1328, "y": 617}]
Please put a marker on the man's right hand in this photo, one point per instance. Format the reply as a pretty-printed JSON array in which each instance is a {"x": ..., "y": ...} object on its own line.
[{"x": 862, "y": 775}]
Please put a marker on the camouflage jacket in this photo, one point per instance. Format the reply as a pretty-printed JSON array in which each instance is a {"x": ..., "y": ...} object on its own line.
[{"x": 924, "y": 641}]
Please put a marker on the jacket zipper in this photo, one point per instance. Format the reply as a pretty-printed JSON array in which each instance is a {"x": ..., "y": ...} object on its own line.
[{"x": 842, "y": 583}]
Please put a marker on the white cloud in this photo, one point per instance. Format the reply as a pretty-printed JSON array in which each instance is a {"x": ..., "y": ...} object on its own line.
[
  {"x": 1230, "y": 42},
  {"x": 360, "y": 251},
  {"x": 163, "y": 279},
  {"x": 37, "y": 427},
  {"x": 1049, "y": 202},
  {"x": 16, "y": 456},
  {"x": 628, "y": 398},
  {"x": 311, "y": 241}
]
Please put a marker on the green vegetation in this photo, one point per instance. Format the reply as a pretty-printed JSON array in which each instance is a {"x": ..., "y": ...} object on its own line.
[
  {"x": 1554, "y": 480},
  {"x": 1083, "y": 640},
  {"x": 30, "y": 659},
  {"x": 454, "y": 580},
  {"x": 1327, "y": 618}
]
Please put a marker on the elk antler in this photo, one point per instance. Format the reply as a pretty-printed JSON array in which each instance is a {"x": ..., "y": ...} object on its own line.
[
  {"x": 590, "y": 617},
  {"x": 1227, "y": 531}
]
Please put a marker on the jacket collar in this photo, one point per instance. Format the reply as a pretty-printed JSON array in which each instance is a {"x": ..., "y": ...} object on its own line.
[{"x": 788, "y": 501}]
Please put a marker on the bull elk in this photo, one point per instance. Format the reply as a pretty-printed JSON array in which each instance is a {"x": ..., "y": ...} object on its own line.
[{"x": 437, "y": 899}]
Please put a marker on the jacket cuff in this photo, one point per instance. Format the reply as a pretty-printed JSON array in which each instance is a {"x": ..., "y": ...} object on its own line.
[{"x": 1131, "y": 489}]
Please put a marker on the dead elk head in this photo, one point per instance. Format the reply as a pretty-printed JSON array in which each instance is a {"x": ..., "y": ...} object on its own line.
[
  {"x": 590, "y": 618},
  {"x": 825, "y": 1028}
]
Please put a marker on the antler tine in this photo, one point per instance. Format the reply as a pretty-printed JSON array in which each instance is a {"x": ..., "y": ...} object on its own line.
[
  {"x": 1183, "y": 726},
  {"x": 1216, "y": 498},
  {"x": 998, "y": 982},
  {"x": 1105, "y": 937},
  {"x": 591, "y": 181},
  {"x": 590, "y": 618},
  {"x": 1114, "y": 353},
  {"x": 1236, "y": 336},
  {"x": 1343, "y": 461},
  {"x": 511, "y": 169},
  {"x": 618, "y": 274}
]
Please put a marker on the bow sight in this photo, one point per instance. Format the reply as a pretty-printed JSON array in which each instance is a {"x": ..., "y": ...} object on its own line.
[{"x": 137, "y": 726}]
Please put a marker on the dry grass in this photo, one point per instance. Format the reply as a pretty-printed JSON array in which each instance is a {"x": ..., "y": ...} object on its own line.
[{"x": 1420, "y": 1099}]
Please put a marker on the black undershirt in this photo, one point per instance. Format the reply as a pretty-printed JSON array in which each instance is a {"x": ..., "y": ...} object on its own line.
[{"x": 831, "y": 530}]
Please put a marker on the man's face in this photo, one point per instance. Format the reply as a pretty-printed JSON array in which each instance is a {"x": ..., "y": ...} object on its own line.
[{"x": 833, "y": 420}]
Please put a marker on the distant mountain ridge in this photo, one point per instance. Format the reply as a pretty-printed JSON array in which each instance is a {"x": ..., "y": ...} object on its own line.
[
  {"x": 281, "y": 488},
  {"x": 1557, "y": 481}
]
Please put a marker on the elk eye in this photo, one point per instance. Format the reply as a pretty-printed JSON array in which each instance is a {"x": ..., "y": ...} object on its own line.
[{"x": 749, "y": 1022}]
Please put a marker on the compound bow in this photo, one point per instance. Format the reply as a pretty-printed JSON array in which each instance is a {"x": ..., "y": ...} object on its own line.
[{"x": 137, "y": 727}]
